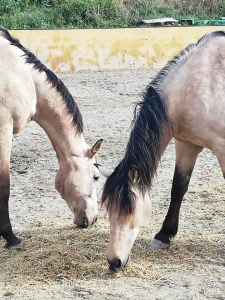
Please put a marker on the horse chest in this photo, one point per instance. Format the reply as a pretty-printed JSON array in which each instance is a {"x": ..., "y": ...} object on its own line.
[{"x": 20, "y": 120}]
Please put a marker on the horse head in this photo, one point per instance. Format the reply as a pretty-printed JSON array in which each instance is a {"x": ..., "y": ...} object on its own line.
[{"x": 76, "y": 184}]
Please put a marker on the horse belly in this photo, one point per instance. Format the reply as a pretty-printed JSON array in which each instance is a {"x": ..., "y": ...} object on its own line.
[{"x": 201, "y": 129}]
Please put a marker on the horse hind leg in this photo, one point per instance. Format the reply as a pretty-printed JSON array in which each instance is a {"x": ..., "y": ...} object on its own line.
[
  {"x": 12, "y": 242},
  {"x": 186, "y": 155}
]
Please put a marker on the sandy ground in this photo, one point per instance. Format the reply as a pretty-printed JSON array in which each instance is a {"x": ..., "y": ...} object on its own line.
[{"x": 106, "y": 100}]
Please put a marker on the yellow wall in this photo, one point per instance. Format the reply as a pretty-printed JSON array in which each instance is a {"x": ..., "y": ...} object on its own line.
[{"x": 106, "y": 49}]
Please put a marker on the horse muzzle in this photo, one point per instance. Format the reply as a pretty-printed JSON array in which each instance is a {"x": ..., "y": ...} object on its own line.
[
  {"x": 84, "y": 222},
  {"x": 116, "y": 265}
]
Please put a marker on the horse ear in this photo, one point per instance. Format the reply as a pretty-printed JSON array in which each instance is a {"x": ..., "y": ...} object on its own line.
[
  {"x": 134, "y": 174},
  {"x": 96, "y": 147}
]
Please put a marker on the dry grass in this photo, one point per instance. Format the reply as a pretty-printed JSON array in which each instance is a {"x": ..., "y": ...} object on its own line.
[{"x": 56, "y": 251}]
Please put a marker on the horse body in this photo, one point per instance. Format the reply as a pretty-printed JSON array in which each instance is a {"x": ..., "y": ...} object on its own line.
[
  {"x": 186, "y": 100},
  {"x": 30, "y": 91},
  {"x": 12, "y": 66},
  {"x": 194, "y": 94}
]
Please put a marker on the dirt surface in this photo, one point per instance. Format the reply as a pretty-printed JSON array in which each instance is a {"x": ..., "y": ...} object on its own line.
[{"x": 106, "y": 100}]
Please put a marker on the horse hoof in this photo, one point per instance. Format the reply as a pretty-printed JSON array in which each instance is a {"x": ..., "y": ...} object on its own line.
[
  {"x": 16, "y": 247},
  {"x": 157, "y": 244}
]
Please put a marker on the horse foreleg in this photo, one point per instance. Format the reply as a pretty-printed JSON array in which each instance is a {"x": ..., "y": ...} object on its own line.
[
  {"x": 219, "y": 152},
  {"x": 186, "y": 155},
  {"x": 12, "y": 242}
]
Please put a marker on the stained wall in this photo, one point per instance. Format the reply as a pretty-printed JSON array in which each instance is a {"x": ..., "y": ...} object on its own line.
[{"x": 76, "y": 50}]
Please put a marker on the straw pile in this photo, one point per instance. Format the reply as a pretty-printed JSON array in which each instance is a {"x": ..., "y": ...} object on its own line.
[{"x": 55, "y": 250}]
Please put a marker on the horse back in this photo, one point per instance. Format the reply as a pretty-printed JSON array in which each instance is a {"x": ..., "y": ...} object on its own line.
[{"x": 195, "y": 94}]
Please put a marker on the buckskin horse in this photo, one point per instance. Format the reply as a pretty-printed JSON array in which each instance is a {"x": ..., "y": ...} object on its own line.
[
  {"x": 186, "y": 100},
  {"x": 30, "y": 91}
]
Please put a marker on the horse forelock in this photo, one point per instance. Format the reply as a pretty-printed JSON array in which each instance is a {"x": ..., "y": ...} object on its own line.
[
  {"x": 117, "y": 193},
  {"x": 143, "y": 151},
  {"x": 56, "y": 83},
  {"x": 180, "y": 58}
]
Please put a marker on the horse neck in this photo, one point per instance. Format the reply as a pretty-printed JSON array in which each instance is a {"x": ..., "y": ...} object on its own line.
[
  {"x": 167, "y": 131},
  {"x": 52, "y": 115},
  {"x": 166, "y": 138}
]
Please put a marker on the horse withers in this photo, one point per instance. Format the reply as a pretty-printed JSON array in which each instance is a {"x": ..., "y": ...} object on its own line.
[
  {"x": 186, "y": 100},
  {"x": 30, "y": 91}
]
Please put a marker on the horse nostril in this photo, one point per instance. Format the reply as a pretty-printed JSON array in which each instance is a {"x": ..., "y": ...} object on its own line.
[
  {"x": 115, "y": 265},
  {"x": 85, "y": 223}
]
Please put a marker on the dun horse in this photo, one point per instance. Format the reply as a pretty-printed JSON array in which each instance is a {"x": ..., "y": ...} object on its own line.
[
  {"x": 186, "y": 100},
  {"x": 30, "y": 91}
]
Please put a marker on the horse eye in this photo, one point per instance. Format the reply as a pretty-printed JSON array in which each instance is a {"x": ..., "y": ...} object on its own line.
[{"x": 96, "y": 178}]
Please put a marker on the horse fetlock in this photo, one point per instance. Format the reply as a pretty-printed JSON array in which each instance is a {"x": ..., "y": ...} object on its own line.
[
  {"x": 157, "y": 244},
  {"x": 163, "y": 236},
  {"x": 15, "y": 245},
  {"x": 12, "y": 242},
  {"x": 5, "y": 229}
]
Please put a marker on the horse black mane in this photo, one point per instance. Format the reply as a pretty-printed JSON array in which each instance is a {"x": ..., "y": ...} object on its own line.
[
  {"x": 56, "y": 83},
  {"x": 144, "y": 146},
  {"x": 143, "y": 152}
]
